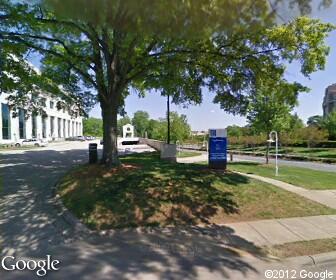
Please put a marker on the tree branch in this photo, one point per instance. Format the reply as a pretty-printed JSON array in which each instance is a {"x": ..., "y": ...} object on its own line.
[
  {"x": 54, "y": 53},
  {"x": 49, "y": 39}
]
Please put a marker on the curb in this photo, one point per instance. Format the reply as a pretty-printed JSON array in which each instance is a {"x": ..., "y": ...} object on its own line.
[
  {"x": 66, "y": 215},
  {"x": 312, "y": 260}
]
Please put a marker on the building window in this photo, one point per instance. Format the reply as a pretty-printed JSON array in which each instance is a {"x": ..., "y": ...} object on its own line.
[
  {"x": 59, "y": 123},
  {"x": 22, "y": 124},
  {"x": 73, "y": 129},
  {"x": 44, "y": 127},
  {"x": 44, "y": 102},
  {"x": 52, "y": 126},
  {"x": 6, "y": 130},
  {"x": 51, "y": 105},
  {"x": 34, "y": 126},
  {"x": 69, "y": 128}
]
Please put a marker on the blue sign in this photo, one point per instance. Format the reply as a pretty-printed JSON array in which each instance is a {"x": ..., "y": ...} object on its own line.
[
  {"x": 217, "y": 148},
  {"x": 212, "y": 133}
]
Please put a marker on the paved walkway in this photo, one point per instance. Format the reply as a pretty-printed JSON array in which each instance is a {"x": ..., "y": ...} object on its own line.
[
  {"x": 325, "y": 197},
  {"x": 279, "y": 231}
]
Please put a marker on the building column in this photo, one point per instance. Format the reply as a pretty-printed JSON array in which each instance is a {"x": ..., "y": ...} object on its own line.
[
  {"x": 61, "y": 127},
  {"x": 39, "y": 127},
  {"x": 29, "y": 127},
  {"x": 65, "y": 122}
]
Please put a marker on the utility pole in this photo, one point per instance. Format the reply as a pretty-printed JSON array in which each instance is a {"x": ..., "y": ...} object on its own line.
[{"x": 168, "y": 119}]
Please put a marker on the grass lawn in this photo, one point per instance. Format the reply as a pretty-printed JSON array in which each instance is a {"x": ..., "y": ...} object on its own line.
[
  {"x": 302, "y": 248},
  {"x": 302, "y": 177},
  {"x": 146, "y": 191},
  {"x": 184, "y": 154}
]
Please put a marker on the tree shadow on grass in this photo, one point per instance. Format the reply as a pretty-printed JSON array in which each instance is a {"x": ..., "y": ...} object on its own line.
[{"x": 152, "y": 193}]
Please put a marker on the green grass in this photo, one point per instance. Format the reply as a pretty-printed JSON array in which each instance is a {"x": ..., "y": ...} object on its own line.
[
  {"x": 184, "y": 154},
  {"x": 146, "y": 191},
  {"x": 302, "y": 177},
  {"x": 302, "y": 248}
]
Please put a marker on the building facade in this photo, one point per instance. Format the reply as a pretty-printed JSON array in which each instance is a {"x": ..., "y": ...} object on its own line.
[
  {"x": 329, "y": 101},
  {"x": 55, "y": 125}
]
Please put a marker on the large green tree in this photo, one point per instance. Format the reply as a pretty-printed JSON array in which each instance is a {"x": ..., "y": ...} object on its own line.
[{"x": 114, "y": 47}]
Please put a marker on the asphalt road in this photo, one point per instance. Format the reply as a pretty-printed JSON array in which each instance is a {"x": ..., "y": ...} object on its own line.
[{"x": 304, "y": 164}]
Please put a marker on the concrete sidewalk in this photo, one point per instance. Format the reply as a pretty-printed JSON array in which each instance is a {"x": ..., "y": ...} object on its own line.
[
  {"x": 325, "y": 197},
  {"x": 280, "y": 231}
]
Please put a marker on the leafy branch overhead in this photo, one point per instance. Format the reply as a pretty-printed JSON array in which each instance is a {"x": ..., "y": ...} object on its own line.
[{"x": 112, "y": 48}]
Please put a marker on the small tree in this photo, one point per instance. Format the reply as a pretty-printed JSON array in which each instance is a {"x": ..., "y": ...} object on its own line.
[
  {"x": 313, "y": 135},
  {"x": 270, "y": 108}
]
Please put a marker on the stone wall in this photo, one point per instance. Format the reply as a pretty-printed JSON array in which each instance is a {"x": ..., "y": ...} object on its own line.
[{"x": 167, "y": 151}]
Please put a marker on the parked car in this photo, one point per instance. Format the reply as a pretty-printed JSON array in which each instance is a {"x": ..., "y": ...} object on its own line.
[
  {"x": 32, "y": 142},
  {"x": 79, "y": 138},
  {"x": 88, "y": 137}
]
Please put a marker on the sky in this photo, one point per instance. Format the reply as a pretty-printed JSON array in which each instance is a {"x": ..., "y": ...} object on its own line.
[{"x": 209, "y": 115}]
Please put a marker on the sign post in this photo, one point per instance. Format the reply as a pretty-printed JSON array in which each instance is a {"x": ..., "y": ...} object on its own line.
[{"x": 217, "y": 148}]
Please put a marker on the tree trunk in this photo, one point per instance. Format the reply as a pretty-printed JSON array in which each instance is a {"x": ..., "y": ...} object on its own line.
[{"x": 110, "y": 134}]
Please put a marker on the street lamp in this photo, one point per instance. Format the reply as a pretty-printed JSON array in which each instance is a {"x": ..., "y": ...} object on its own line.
[{"x": 276, "y": 149}]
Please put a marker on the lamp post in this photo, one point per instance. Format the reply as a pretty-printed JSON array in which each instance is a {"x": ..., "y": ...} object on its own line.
[
  {"x": 276, "y": 149},
  {"x": 168, "y": 119}
]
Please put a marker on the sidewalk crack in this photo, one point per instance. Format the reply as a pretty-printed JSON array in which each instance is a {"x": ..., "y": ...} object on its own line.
[{"x": 289, "y": 229}]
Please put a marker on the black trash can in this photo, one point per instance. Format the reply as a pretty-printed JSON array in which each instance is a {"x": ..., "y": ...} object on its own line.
[{"x": 93, "y": 153}]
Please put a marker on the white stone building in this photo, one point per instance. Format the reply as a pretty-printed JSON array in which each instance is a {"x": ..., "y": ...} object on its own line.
[{"x": 56, "y": 125}]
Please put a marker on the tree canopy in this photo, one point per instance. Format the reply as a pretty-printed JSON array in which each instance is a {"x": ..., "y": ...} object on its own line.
[{"x": 109, "y": 49}]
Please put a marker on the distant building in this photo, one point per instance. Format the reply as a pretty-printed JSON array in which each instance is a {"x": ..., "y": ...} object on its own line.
[
  {"x": 199, "y": 133},
  {"x": 329, "y": 101},
  {"x": 128, "y": 131},
  {"x": 56, "y": 124}
]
